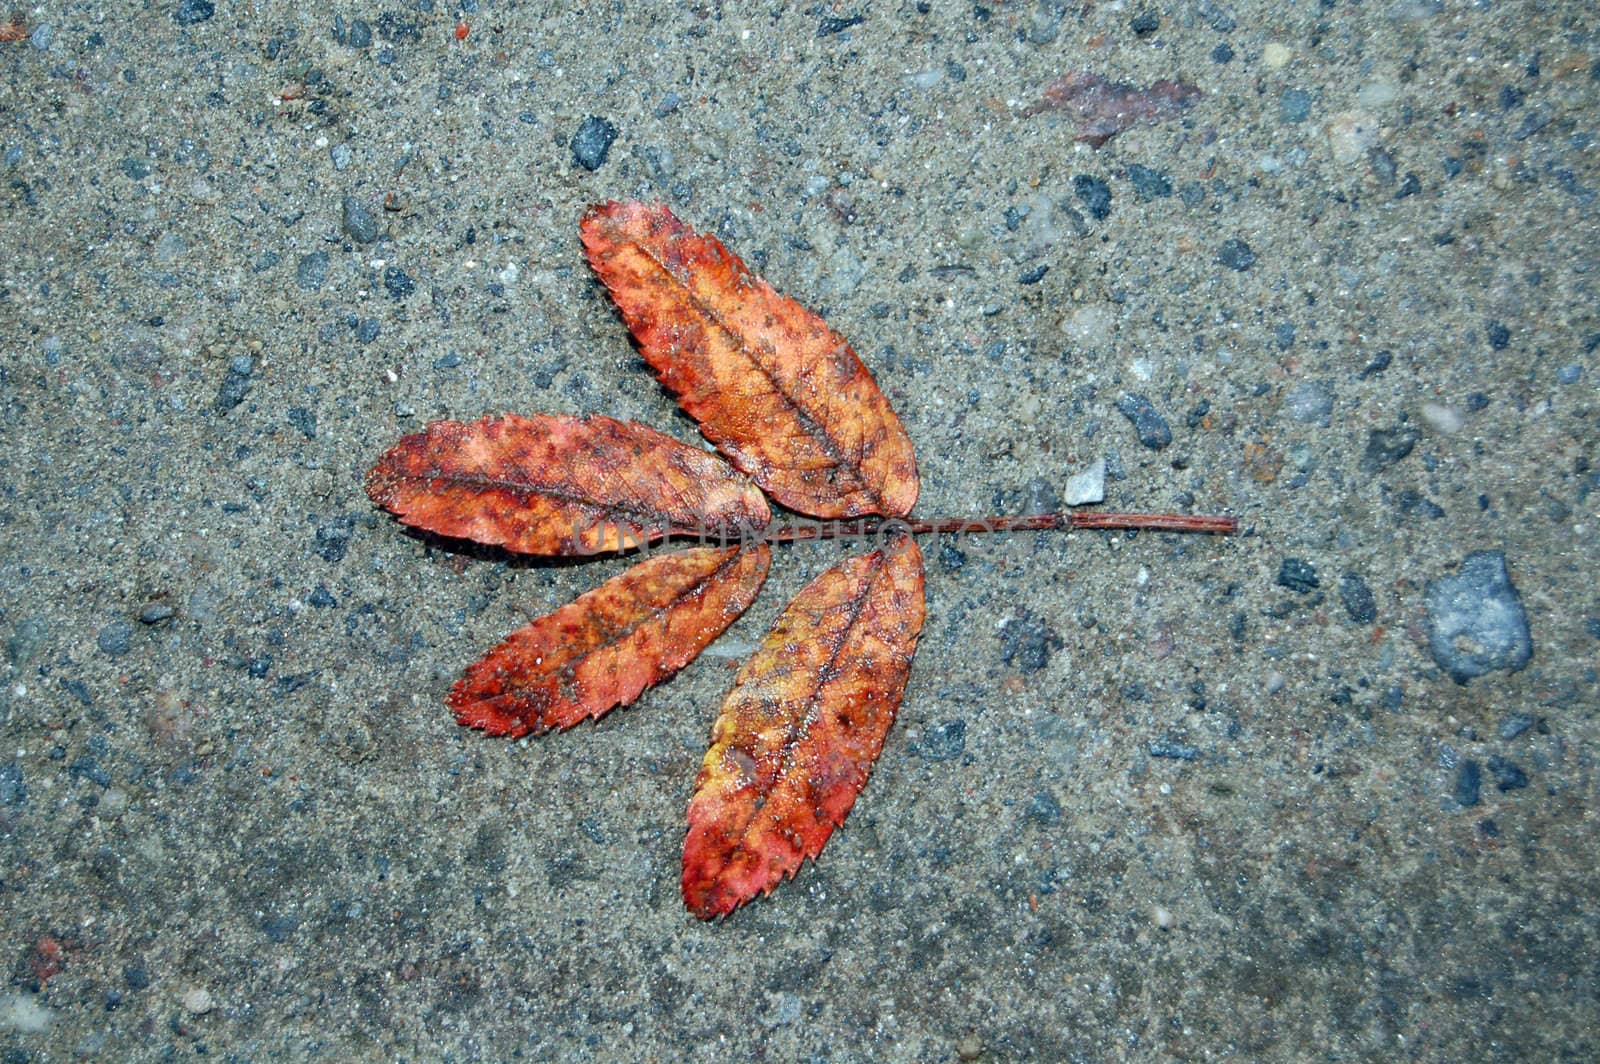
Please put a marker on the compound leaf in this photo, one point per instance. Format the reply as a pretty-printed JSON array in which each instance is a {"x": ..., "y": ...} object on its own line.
[
  {"x": 779, "y": 392},
  {"x": 605, "y": 647},
  {"x": 802, "y": 727},
  {"x": 551, "y": 484}
]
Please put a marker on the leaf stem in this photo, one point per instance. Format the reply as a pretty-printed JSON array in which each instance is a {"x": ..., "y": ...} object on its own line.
[{"x": 810, "y": 530}]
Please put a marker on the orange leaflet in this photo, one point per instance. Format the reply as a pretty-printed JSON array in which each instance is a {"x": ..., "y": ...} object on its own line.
[
  {"x": 605, "y": 647},
  {"x": 781, "y": 394},
  {"x": 802, "y": 727},
  {"x": 551, "y": 484}
]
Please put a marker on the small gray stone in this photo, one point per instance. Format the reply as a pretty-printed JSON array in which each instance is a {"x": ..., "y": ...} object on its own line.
[
  {"x": 341, "y": 155},
  {"x": 592, "y": 142},
  {"x": 1469, "y": 782},
  {"x": 359, "y": 221},
  {"x": 1310, "y": 403},
  {"x": 12, "y": 789},
  {"x": 236, "y": 385},
  {"x": 114, "y": 639},
  {"x": 1385, "y": 447},
  {"x": 943, "y": 742},
  {"x": 1476, "y": 622},
  {"x": 1515, "y": 724},
  {"x": 1298, "y": 575},
  {"x": 155, "y": 613},
  {"x": 1028, "y": 642},
  {"x": 1357, "y": 598},
  {"x": 398, "y": 284},
  {"x": 1040, "y": 497},
  {"x": 194, "y": 12},
  {"x": 1087, "y": 486},
  {"x": 1043, "y": 808},
  {"x": 1152, "y": 428},
  {"x": 1236, "y": 255},
  {"x": 1148, "y": 184},
  {"x": 1294, "y": 106},
  {"x": 312, "y": 271}
]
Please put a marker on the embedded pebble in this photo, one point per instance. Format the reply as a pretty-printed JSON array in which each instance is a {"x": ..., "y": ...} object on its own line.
[
  {"x": 114, "y": 638},
  {"x": 1088, "y": 486},
  {"x": 591, "y": 144},
  {"x": 1043, "y": 808},
  {"x": 312, "y": 271},
  {"x": 1148, "y": 184},
  {"x": 398, "y": 283},
  {"x": 194, "y": 12},
  {"x": 1298, "y": 575},
  {"x": 1276, "y": 56},
  {"x": 1028, "y": 642},
  {"x": 236, "y": 385},
  {"x": 1507, "y": 775},
  {"x": 944, "y": 741},
  {"x": 1151, "y": 427},
  {"x": 1236, "y": 255},
  {"x": 1040, "y": 497},
  {"x": 1357, "y": 598},
  {"x": 1310, "y": 403},
  {"x": 1469, "y": 783},
  {"x": 198, "y": 1002},
  {"x": 1515, "y": 724},
  {"x": 1476, "y": 622},
  {"x": 1385, "y": 447},
  {"x": 114, "y": 802},
  {"x": 1294, "y": 106},
  {"x": 1351, "y": 135},
  {"x": 359, "y": 222},
  {"x": 1094, "y": 194},
  {"x": 1442, "y": 418}
]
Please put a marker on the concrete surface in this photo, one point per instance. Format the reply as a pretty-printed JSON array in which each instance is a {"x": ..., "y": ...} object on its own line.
[{"x": 1149, "y": 797}]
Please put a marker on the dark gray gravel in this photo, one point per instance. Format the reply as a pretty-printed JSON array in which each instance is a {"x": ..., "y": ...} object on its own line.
[
  {"x": 591, "y": 144},
  {"x": 1147, "y": 422}
]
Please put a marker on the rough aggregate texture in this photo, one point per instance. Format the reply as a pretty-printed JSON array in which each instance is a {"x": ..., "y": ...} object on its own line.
[{"x": 1195, "y": 815}]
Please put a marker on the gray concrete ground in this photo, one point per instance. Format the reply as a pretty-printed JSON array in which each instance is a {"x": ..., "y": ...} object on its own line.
[{"x": 1324, "y": 790}]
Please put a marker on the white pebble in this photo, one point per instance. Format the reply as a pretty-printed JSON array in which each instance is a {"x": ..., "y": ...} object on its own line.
[
  {"x": 1276, "y": 56},
  {"x": 114, "y": 802},
  {"x": 1088, "y": 325},
  {"x": 198, "y": 1002},
  {"x": 1350, "y": 134},
  {"x": 1164, "y": 918},
  {"x": 1442, "y": 418},
  {"x": 1087, "y": 486}
]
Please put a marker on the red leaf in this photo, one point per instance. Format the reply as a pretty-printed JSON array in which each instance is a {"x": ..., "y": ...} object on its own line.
[
  {"x": 562, "y": 485},
  {"x": 605, "y": 647},
  {"x": 781, "y": 394},
  {"x": 802, "y": 727}
]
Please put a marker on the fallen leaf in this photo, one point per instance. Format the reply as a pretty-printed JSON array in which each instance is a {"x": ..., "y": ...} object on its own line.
[
  {"x": 790, "y": 404},
  {"x": 550, "y": 484},
  {"x": 1101, "y": 109},
  {"x": 604, "y": 648},
  {"x": 782, "y": 395},
  {"x": 802, "y": 727}
]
